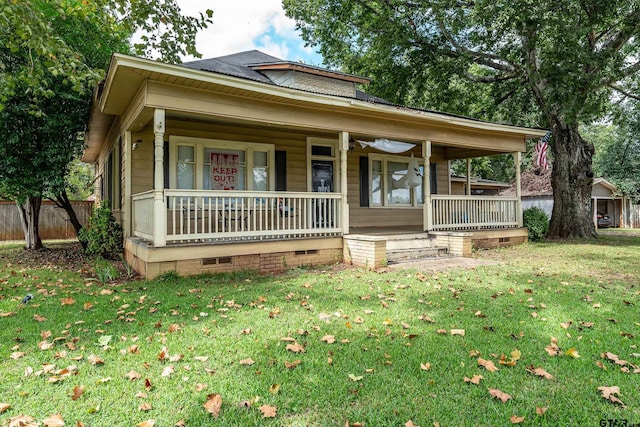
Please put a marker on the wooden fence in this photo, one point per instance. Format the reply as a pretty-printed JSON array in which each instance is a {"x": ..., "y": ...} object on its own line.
[
  {"x": 54, "y": 222},
  {"x": 634, "y": 216}
]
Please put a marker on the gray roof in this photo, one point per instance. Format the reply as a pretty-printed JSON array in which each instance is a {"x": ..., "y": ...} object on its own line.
[{"x": 240, "y": 65}]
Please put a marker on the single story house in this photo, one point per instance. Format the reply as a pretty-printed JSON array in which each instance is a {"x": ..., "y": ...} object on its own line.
[
  {"x": 248, "y": 161},
  {"x": 606, "y": 199}
]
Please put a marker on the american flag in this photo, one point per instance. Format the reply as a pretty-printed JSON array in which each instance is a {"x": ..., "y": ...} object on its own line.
[{"x": 540, "y": 152}]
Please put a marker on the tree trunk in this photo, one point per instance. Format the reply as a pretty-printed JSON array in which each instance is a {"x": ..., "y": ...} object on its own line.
[
  {"x": 62, "y": 201},
  {"x": 572, "y": 179},
  {"x": 29, "y": 217}
]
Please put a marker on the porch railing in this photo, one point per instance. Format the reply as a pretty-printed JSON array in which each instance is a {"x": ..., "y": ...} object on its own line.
[
  {"x": 473, "y": 212},
  {"x": 195, "y": 215},
  {"x": 143, "y": 215}
]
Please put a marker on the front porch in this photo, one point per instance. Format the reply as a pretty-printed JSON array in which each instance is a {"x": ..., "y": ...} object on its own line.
[{"x": 195, "y": 231}]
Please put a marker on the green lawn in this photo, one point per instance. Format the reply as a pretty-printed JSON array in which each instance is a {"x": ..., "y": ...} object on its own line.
[{"x": 122, "y": 354}]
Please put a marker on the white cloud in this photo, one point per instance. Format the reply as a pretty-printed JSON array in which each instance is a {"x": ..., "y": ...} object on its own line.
[{"x": 240, "y": 25}]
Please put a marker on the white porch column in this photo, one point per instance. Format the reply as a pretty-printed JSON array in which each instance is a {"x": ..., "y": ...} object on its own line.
[
  {"x": 517, "y": 159},
  {"x": 468, "y": 190},
  {"x": 126, "y": 200},
  {"x": 343, "y": 146},
  {"x": 159, "y": 212},
  {"x": 427, "y": 208}
]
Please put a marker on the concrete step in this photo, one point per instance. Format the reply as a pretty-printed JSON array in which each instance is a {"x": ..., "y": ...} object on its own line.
[
  {"x": 409, "y": 241},
  {"x": 398, "y": 255}
]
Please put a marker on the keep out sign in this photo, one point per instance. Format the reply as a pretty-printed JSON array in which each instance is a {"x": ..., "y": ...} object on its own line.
[{"x": 224, "y": 171}]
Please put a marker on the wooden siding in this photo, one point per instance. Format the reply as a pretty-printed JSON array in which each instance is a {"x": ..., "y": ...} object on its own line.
[
  {"x": 294, "y": 143},
  {"x": 54, "y": 222}
]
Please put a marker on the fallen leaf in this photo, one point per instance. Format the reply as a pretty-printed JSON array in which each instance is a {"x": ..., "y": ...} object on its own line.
[
  {"x": 457, "y": 332},
  {"x": 39, "y": 318},
  {"x": 53, "y": 421},
  {"x": 4, "y": 407},
  {"x": 144, "y": 406},
  {"x": 67, "y": 301},
  {"x": 572, "y": 352},
  {"x": 475, "y": 380},
  {"x": 425, "y": 366},
  {"x": 499, "y": 394},
  {"x": 141, "y": 395},
  {"x": 248, "y": 361},
  {"x": 295, "y": 347},
  {"x": 167, "y": 371},
  {"x": 95, "y": 360},
  {"x": 147, "y": 423},
  {"x": 200, "y": 387},
  {"x": 516, "y": 420},
  {"x": 329, "y": 339},
  {"x": 268, "y": 411},
  {"x": 133, "y": 375},
  {"x": 292, "y": 365},
  {"x": 355, "y": 378},
  {"x": 487, "y": 364},
  {"x": 410, "y": 424},
  {"x": 539, "y": 372},
  {"x": 77, "y": 392},
  {"x": 600, "y": 365},
  {"x": 274, "y": 388},
  {"x": 17, "y": 355},
  {"x": 541, "y": 410},
  {"x": 609, "y": 392},
  {"x": 213, "y": 404}
]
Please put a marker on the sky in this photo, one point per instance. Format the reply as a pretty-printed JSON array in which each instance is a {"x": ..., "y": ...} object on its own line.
[{"x": 240, "y": 25}]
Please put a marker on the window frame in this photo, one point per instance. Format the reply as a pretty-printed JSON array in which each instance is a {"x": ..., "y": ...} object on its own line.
[
  {"x": 200, "y": 144},
  {"x": 385, "y": 159},
  {"x": 335, "y": 158}
]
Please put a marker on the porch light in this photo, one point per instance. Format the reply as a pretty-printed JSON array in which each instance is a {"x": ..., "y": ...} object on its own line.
[{"x": 135, "y": 144}]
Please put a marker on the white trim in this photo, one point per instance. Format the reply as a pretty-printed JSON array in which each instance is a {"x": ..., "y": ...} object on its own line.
[
  {"x": 200, "y": 144},
  {"x": 384, "y": 158},
  {"x": 335, "y": 158},
  {"x": 120, "y": 60}
]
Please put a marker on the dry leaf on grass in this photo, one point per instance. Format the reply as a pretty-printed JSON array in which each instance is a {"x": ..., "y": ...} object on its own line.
[
  {"x": 539, "y": 372},
  {"x": 77, "y": 392},
  {"x": 609, "y": 394},
  {"x": 133, "y": 375},
  {"x": 516, "y": 419},
  {"x": 425, "y": 366},
  {"x": 213, "y": 404},
  {"x": 53, "y": 421},
  {"x": 295, "y": 347},
  {"x": 572, "y": 352},
  {"x": 541, "y": 410},
  {"x": 329, "y": 339},
  {"x": 499, "y": 394},
  {"x": 4, "y": 407},
  {"x": 410, "y": 424},
  {"x": 248, "y": 361},
  {"x": 475, "y": 380},
  {"x": 457, "y": 332},
  {"x": 147, "y": 423},
  {"x": 487, "y": 364},
  {"x": 268, "y": 411}
]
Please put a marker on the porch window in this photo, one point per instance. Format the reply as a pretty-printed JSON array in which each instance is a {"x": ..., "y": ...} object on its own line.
[
  {"x": 249, "y": 168},
  {"x": 388, "y": 176}
]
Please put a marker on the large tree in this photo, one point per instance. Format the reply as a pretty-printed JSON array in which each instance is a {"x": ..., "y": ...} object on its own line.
[
  {"x": 52, "y": 53},
  {"x": 553, "y": 62}
]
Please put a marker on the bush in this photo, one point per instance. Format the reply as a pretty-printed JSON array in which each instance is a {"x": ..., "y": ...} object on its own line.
[
  {"x": 103, "y": 235},
  {"x": 537, "y": 222}
]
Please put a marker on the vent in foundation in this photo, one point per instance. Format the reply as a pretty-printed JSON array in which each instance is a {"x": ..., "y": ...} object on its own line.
[
  {"x": 216, "y": 261},
  {"x": 308, "y": 252},
  {"x": 505, "y": 239}
]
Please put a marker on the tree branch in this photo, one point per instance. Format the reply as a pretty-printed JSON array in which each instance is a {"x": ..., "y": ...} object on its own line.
[
  {"x": 624, "y": 92},
  {"x": 490, "y": 79},
  {"x": 482, "y": 58}
]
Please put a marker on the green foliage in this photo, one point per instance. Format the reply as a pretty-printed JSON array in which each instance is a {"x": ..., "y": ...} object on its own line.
[
  {"x": 103, "y": 235},
  {"x": 79, "y": 180},
  {"x": 499, "y": 168},
  {"x": 617, "y": 156},
  {"x": 104, "y": 271},
  {"x": 537, "y": 222}
]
